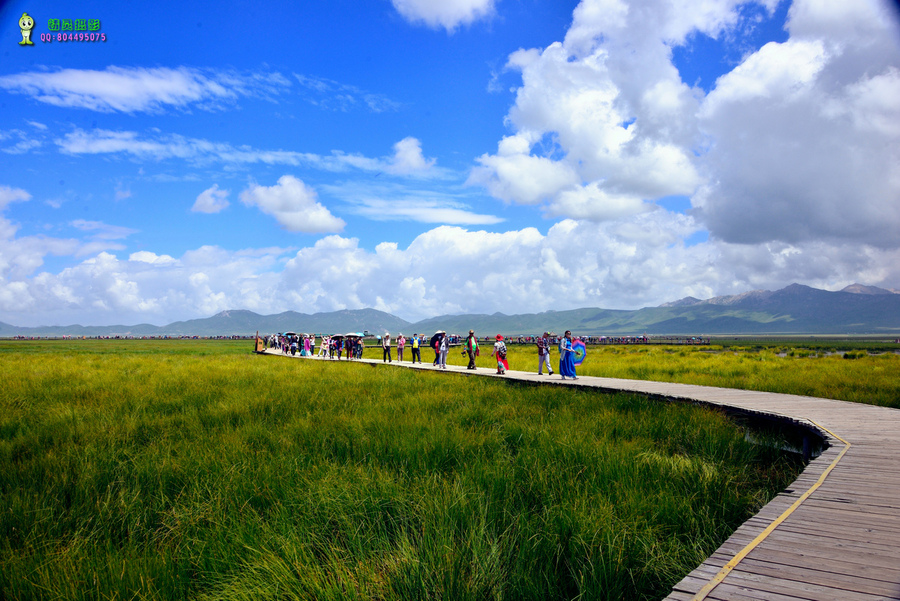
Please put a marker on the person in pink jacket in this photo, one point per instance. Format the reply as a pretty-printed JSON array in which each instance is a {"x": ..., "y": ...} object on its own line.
[{"x": 401, "y": 344}]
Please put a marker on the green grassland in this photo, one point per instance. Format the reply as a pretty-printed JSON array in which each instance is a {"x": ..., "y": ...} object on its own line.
[
  {"x": 856, "y": 376},
  {"x": 196, "y": 470}
]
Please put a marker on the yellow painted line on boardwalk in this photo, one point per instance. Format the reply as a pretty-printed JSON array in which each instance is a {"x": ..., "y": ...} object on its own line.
[{"x": 708, "y": 588}]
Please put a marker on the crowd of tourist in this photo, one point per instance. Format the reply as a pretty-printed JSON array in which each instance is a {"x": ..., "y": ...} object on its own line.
[{"x": 351, "y": 346}]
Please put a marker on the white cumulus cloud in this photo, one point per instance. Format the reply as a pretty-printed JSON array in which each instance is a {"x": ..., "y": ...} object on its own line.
[
  {"x": 294, "y": 205},
  {"x": 515, "y": 175},
  {"x": 9, "y": 195},
  {"x": 408, "y": 157},
  {"x": 144, "y": 256},
  {"x": 448, "y": 14},
  {"x": 798, "y": 142},
  {"x": 211, "y": 200},
  {"x": 804, "y": 135},
  {"x": 593, "y": 203},
  {"x": 636, "y": 261},
  {"x": 604, "y": 111}
]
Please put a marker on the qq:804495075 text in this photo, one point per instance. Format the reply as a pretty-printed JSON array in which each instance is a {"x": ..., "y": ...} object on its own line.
[{"x": 73, "y": 37}]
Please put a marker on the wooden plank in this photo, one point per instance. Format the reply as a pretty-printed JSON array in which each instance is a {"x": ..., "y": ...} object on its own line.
[
  {"x": 863, "y": 525},
  {"x": 815, "y": 508},
  {"x": 692, "y": 584},
  {"x": 849, "y": 536},
  {"x": 846, "y": 477},
  {"x": 804, "y": 590},
  {"x": 851, "y": 486},
  {"x": 859, "y": 549},
  {"x": 795, "y": 553},
  {"x": 749, "y": 590},
  {"x": 882, "y": 578},
  {"x": 737, "y": 594},
  {"x": 824, "y": 577}
]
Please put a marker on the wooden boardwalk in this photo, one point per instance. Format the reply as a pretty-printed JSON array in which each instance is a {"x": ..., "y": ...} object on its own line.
[{"x": 834, "y": 534}]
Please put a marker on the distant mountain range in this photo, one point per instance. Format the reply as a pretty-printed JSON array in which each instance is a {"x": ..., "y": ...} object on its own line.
[{"x": 795, "y": 309}]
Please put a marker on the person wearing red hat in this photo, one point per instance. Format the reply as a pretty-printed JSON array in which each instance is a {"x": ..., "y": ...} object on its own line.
[{"x": 500, "y": 353}]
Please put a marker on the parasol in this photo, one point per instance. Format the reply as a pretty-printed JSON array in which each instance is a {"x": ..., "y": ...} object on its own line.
[
  {"x": 580, "y": 351},
  {"x": 434, "y": 338}
]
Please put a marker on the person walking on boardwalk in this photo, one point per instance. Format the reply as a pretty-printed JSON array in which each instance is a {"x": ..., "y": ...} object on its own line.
[
  {"x": 386, "y": 348},
  {"x": 435, "y": 343},
  {"x": 543, "y": 346},
  {"x": 444, "y": 348},
  {"x": 401, "y": 344},
  {"x": 500, "y": 353},
  {"x": 471, "y": 348},
  {"x": 416, "y": 353},
  {"x": 567, "y": 357}
]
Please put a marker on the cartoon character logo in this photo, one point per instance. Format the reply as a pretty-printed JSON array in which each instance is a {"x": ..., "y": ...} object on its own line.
[{"x": 26, "y": 24}]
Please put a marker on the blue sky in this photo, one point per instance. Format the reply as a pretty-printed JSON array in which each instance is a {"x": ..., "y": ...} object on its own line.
[{"x": 425, "y": 157}]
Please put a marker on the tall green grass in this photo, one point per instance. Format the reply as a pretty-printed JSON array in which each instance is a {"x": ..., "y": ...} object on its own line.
[
  {"x": 153, "y": 472},
  {"x": 872, "y": 379}
]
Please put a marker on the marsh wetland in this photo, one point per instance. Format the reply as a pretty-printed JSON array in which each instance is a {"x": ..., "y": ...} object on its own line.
[{"x": 195, "y": 469}]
